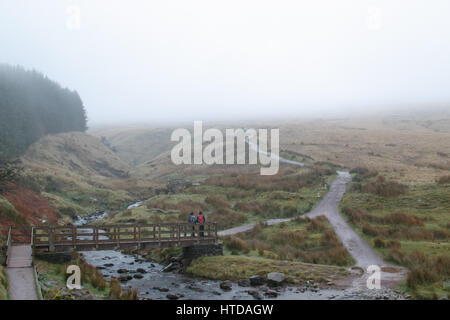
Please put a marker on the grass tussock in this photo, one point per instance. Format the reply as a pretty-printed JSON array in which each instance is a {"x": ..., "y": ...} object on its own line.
[
  {"x": 443, "y": 179},
  {"x": 239, "y": 267},
  {"x": 394, "y": 225},
  {"x": 424, "y": 270},
  {"x": 285, "y": 180},
  {"x": 411, "y": 230},
  {"x": 184, "y": 206},
  {"x": 116, "y": 292},
  {"x": 305, "y": 240},
  {"x": 380, "y": 187},
  {"x": 3, "y": 284}
]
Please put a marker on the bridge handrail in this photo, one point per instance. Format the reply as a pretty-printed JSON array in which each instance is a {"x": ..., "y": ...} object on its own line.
[
  {"x": 123, "y": 225},
  {"x": 8, "y": 246}
]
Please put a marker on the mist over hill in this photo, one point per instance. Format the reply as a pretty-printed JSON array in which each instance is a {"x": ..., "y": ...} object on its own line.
[{"x": 32, "y": 106}]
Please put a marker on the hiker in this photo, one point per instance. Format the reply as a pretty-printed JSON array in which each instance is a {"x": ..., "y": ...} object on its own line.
[
  {"x": 192, "y": 220},
  {"x": 201, "y": 221}
]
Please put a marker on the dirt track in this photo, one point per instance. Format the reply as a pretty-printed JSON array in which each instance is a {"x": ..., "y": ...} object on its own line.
[{"x": 358, "y": 248}]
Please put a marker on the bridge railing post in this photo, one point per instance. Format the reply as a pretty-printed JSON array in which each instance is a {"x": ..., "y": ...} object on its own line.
[
  {"x": 96, "y": 237},
  {"x": 139, "y": 236},
  {"x": 32, "y": 241},
  {"x": 197, "y": 229},
  {"x": 51, "y": 239},
  {"x": 159, "y": 234}
]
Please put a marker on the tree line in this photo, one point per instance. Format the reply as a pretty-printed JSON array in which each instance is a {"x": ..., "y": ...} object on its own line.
[{"x": 31, "y": 106}]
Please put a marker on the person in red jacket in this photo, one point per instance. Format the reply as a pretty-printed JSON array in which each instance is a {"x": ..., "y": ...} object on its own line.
[{"x": 201, "y": 221}]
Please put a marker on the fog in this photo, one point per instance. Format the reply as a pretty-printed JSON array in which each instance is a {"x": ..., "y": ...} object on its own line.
[{"x": 153, "y": 61}]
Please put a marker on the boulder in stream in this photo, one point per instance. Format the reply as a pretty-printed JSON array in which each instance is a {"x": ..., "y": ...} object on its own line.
[
  {"x": 125, "y": 278},
  {"x": 244, "y": 283},
  {"x": 226, "y": 285},
  {"x": 275, "y": 278},
  {"x": 255, "y": 294},
  {"x": 256, "y": 280}
]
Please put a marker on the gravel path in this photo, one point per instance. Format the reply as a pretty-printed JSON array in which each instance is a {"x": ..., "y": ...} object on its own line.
[{"x": 359, "y": 249}]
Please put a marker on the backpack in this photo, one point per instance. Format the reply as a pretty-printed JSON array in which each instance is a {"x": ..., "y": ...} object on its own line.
[
  {"x": 201, "y": 219},
  {"x": 191, "y": 219}
]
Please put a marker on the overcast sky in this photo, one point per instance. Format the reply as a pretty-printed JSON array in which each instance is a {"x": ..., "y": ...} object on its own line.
[{"x": 135, "y": 60}]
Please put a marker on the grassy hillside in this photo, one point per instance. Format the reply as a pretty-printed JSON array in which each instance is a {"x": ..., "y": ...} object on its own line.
[
  {"x": 78, "y": 174},
  {"x": 8, "y": 216},
  {"x": 78, "y": 153},
  {"x": 236, "y": 198},
  {"x": 136, "y": 145},
  {"x": 408, "y": 149}
]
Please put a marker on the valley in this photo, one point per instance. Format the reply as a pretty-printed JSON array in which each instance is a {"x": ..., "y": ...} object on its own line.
[{"x": 396, "y": 166}]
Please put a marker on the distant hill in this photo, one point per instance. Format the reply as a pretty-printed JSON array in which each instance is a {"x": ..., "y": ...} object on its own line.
[
  {"x": 78, "y": 174},
  {"x": 31, "y": 106},
  {"x": 78, "y": 153},
  {"x": 137, "y": 145}
]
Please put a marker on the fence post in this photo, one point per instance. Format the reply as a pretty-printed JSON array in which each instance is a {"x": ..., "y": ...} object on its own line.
[
  {"x": 96, "y": 237},
  {"x": 32, "y": 241},
  {"x": 51, "y": 239},
  {"x": 197, "y": 228},
  {"x": 74, "y": 237},
  {"x": 139, "y": 235}
]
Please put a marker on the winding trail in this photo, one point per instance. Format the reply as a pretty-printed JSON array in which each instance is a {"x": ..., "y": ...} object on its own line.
[{"x": 358, "y": 248}]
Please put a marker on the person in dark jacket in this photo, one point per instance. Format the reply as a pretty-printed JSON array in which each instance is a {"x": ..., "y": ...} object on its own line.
[
  {"x": 201, "y": 221},
  {"x": 192, "y": 219}
]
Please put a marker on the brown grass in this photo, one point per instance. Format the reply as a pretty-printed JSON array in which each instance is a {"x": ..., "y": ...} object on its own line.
[
  {"x": 444, "y": 179},
  {"x": 306, "y": 240},
  {"x": 285, "y": 180},
  {"x": 115, "y": 291},
  {"x": 236, "y": 244}
]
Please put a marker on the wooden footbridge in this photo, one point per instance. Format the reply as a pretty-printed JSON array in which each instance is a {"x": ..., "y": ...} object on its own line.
[
  {"x": 22, "y": 243},
  {"x": 111, "y": 237}
]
